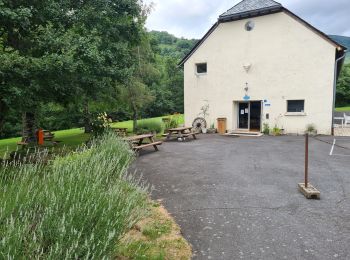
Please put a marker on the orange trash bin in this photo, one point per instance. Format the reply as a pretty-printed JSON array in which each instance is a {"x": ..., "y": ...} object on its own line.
[
  {"x": 222, "y": 125},
  {"x": 40, "y": 137}
]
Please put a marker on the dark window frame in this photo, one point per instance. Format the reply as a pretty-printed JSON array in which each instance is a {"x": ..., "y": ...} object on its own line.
[
  {"x": 296, "y": 106},
  {"x": 203, "y": 70}
]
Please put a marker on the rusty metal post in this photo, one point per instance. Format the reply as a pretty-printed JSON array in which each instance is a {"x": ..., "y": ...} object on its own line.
[{"x": 306, "y": 160}]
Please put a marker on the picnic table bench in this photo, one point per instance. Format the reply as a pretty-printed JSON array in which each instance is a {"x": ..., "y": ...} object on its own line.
[
  {"x": 137, "y": 142},
  {"x": 180, "y": 132},
  {"x": 120, "y": 130},
  {"x": 48, "y": 136}
]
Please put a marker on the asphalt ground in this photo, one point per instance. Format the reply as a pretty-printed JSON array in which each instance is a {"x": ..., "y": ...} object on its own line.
[{"x": 237, "y": 198}]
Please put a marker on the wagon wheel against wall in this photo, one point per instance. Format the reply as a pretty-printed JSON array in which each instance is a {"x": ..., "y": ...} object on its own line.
[{"x": 198, "y": 124}]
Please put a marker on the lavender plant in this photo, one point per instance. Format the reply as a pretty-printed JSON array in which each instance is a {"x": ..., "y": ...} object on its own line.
[{"x": 74, "y": 207}]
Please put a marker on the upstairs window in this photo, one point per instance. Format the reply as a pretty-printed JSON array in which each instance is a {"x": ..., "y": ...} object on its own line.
[
  {"x": 296, "y": 106},
  {"x": 201, "y": 68}
]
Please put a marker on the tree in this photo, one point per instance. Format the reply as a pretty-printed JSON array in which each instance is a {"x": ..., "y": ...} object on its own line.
[
  {"x": 136, "y": 96},
  {"x": 343, "y": 87},
  {"x": 108, "y": 31},
  {"x": 58, "y": 50},
  {"x": 174, "y": 82},
  {"x": 26, "y": 65},
  {"x": 137, "y": 92}
]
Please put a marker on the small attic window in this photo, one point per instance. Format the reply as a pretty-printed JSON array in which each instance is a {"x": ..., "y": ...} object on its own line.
[
  {"x": 201, "y": 68},
  {"x": 249, "y": 26}
]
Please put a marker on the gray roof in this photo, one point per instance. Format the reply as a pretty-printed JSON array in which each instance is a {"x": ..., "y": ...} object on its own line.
[{"x": 246, "y": 7}]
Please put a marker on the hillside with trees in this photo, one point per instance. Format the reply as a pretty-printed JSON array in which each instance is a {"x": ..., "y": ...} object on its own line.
[
  {"x": 167, "y": 45},
  {"x": 131, "y": 76},
  {"x": 343, "y": 87}
]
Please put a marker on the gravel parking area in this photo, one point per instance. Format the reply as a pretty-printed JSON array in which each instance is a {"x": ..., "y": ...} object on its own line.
[{"x": 237, "y": 198}]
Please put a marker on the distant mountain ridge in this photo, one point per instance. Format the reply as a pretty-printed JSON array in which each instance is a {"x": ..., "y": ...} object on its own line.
[
  {"x": 345, "y": 41},
  {"x": 168, "y": 45}
]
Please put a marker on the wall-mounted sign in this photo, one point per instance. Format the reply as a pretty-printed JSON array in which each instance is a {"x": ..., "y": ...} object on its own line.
[
  {"x": 246, "y": 97},
  {"x": 267, "y": 103}
]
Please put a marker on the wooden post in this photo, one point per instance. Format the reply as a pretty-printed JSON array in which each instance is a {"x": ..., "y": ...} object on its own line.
[
  {"x": 306, "y": 188},
  {"x": 306, "y": 159}
]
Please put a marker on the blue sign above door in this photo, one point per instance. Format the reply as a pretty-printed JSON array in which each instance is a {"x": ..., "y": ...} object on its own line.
[{"x": 246, "y": 97}]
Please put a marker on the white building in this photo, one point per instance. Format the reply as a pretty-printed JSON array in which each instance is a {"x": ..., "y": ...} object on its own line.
[{"x": 260, "y": 63}]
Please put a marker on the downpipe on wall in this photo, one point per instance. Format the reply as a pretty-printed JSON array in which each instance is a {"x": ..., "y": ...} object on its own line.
[{"x": 335, "y": 87}]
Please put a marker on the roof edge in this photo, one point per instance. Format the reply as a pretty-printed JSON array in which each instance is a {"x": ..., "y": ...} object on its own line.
[{"x": 257, "y": 13}]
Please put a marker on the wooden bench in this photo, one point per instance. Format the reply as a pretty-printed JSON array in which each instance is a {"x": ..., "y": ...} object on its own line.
[
  {"x": 48, "y": 135},
  {"x": 180, "y": 132},
  {"x": 137, "y": 143},
  {"x": 120, "y": 130},
  {"x": 22, "y": 143},
  {"x": 155, "y": 144}
]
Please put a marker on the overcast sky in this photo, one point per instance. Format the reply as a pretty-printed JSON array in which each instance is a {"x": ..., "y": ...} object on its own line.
[{"x": 193, "y": 18}]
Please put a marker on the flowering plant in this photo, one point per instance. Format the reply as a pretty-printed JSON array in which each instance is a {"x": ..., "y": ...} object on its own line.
[{"x": 100, "y": 124}]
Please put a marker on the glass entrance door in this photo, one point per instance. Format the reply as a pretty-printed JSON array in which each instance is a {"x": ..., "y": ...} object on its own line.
[
  {"x": 243, "y": 116},
  {"x": 255, "y": 116}
]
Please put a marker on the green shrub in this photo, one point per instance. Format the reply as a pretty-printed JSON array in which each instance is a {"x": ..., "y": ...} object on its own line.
[
  {"x": 173, "y": 122},
  {"x": 147, "y": 126},
  {"x": 311, "y": 129},
  {"x": 100, "y": 124},
  {"x": 76, "y": 207},
  {"x": 266, "y": 129},
  {"x": 276, "y": 131}
]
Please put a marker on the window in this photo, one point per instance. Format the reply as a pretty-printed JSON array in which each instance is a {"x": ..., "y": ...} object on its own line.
[
  {"x": 201, "y": 68},
  {"x": 295, "y": 106},
  {"x": 249, "y": 26}
]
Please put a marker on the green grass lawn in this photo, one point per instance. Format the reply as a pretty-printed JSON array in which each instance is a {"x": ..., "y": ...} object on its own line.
[
  {"x": 343, "y": 109},
  {"x": 71, "y": 138},
  {"x": 128, "y": 124}
]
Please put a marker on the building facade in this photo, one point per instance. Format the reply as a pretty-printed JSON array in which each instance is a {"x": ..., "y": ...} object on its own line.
[{"x": 261, "y": 64}]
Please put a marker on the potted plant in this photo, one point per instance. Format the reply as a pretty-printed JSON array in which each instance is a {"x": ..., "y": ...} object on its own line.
[
  {"x": 311, "y": 129},
  {"x": 212, "y": 129},
  {"x": 266, "y": 129},
  {"x": 204, "y": 113},
  {"x": 276, "y": 131}
]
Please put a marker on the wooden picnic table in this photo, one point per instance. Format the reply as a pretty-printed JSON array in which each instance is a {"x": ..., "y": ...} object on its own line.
[
  {"x": 120, "y": 130},
  {"x": 48, "y": 137},
  {"x": 180, "y": 132},
  {"x": 137, "y": 142}
]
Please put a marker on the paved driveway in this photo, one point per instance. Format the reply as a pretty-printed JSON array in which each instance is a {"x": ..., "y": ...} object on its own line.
[{"x": 237, "y": 198}]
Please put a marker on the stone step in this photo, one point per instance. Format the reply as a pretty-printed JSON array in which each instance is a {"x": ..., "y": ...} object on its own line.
[{"x": 244, "y": 133}]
